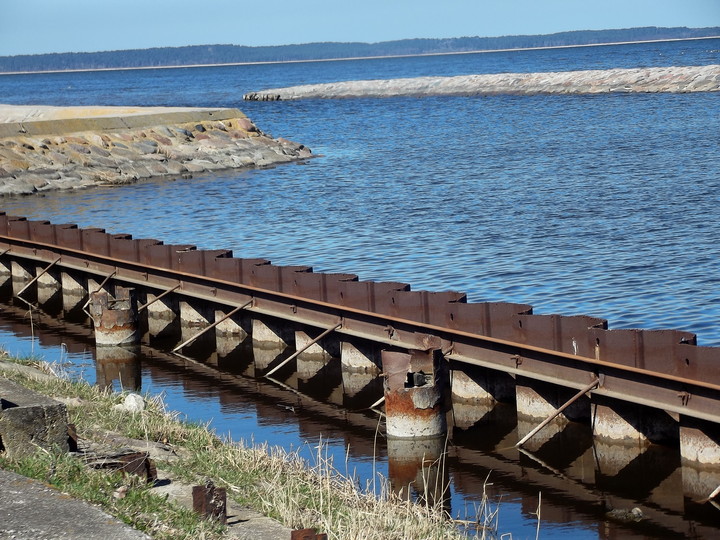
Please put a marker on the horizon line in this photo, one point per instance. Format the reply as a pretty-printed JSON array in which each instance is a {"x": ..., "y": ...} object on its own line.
[{"x": 345, "y": 59}]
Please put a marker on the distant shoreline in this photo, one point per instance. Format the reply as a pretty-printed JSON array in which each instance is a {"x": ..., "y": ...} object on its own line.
[{"x": 271, "y": 62}]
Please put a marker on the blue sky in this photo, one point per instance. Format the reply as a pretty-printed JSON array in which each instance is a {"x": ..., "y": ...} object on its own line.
[{"x": 41, "y": 26}]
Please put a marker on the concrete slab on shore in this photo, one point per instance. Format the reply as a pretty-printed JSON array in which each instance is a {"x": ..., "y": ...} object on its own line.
[
  {"x": 636, "y": 80},
  {"x": 32, "y": 510},
  {"x": 45, "y": 147}
]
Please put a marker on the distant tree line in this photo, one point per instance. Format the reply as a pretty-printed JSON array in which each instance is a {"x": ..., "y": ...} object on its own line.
[{"x": 229, "y": 54}]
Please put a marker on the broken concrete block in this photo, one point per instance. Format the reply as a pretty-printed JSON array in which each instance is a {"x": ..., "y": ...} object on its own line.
[{"x": 29, "y": 420}]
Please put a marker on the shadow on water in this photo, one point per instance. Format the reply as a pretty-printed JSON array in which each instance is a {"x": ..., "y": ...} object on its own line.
[{"x": 586, "y": 490}]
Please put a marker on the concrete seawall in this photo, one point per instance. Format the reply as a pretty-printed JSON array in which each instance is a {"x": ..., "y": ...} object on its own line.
[
  {"x": 46, "y": 148},
  {"x": 644, "y": 80}
]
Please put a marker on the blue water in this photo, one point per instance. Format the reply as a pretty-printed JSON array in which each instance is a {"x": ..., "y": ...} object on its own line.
[{"x": 601, "y": 205}]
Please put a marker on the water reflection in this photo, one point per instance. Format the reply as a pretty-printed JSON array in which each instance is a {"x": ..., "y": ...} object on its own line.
[{"x": 587, "y": 488}]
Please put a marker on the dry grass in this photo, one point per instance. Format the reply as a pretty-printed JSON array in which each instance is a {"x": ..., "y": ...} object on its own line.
[{"x": 271, "y": 480}]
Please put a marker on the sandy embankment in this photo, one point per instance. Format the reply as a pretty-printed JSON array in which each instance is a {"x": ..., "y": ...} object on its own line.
[
  {"x": 44, "y": 148},
  {"x": 638, "y": 80}
]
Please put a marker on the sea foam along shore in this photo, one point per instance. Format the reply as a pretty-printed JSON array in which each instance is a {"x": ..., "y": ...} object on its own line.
[
  {"x": 46, "y": 148},
  {"x": 647, "y": 80}
]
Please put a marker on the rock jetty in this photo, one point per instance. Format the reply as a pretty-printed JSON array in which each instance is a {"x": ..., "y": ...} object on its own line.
[
  {"x": 46, "y": 148},
  {"x": 647, "y": 80}
]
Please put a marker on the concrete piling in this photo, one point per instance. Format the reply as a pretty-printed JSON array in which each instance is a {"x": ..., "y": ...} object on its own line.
[
  {"x": 268, "y": 333},
  {"x": 49, "y": 287},
  {"x": 114, "y": 319},
  {"x": 360, "y": 363},
  {"x": 322, "y": 351},
  {"x": 21, "y": 274},
  {"x": 633, "y": 425},
  {"x": 700, "y": 457},
  {"x": 163, "y": 319},
  {"x": 475, "y": 391},
  {"x": 194, "y": 316},
  {"x": 74, "y": 290},
  {"x": 414, "y": 390}
]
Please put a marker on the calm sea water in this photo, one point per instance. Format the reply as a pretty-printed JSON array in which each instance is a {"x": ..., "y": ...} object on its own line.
[{"x": 599, "y": 205}]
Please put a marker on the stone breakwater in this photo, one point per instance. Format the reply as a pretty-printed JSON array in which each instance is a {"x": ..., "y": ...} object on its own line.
[
  {"x": 47, "y": 148},
  {"x": 670, "y": 79}
]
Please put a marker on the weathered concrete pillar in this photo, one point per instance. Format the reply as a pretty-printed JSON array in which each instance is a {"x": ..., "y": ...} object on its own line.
[
  {"x": 476, "y": 390},
  {"x": 265, "y": 354},
  {"x": 194, "y": 316},
  {"x": 415, "y": 466},
  {"x": 120, "y": 364},
  {"x": 323, "y": 351},
  {"x": 620, "y": 422},
  {"x": 700, "y": 457},
  {"x": 163, "y": 315},
  {"x": 74, "y": 290},
  {"x": 231, "y": 332},
  {"x": 22, "y": 272},
  {"x": 5, "y": 267},
  {"x": 360, "y": 362},
  {"x": 359, "y": 356},
  {"x": 267, "y": 332},
  {"x": 537, "y": 400},
  {"x": 415, "y": 389},
  {"x": 115, "y": 319},
  {"x": 5, "y": 272},
  {"x": 49, "y": 288},
  {"x": 93, "y": 284}
]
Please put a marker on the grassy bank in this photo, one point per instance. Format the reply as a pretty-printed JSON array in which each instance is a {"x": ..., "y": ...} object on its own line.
[{"x": 272, "y": 481}]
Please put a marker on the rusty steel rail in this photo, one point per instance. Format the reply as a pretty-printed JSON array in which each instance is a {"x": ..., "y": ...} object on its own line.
[{"x": 659, "y": 368}]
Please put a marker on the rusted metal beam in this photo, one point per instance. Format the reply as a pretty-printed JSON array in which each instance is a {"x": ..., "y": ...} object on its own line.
[
  {"x": 656, "y": 372},
  {"x": 303, "y": 349},
  {"x": 41, "y": 274},
  {"x": 158, "y": 297},
  {"x": 557, "y": 413},
  {"x": 211, "y": 326},
  {"x": 347, "y": 312}
]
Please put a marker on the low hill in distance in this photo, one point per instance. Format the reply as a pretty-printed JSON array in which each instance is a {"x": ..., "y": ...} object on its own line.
[{"x": 236, "y": 54}]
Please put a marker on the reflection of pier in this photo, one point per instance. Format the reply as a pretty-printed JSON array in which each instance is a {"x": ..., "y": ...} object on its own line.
[
  {"x": 576, "y": 484},
  {"x": 440, "y": 363}
]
